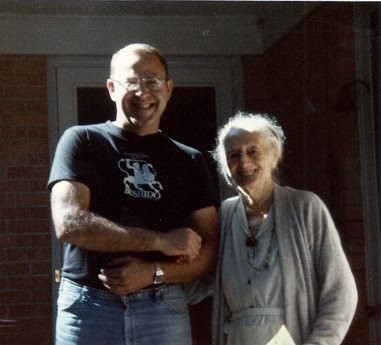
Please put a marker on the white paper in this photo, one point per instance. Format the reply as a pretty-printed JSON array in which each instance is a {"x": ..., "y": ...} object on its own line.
[{"x": 283, "y": 337}]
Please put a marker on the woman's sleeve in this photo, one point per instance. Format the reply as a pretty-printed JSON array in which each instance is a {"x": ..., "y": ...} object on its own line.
[{"x": 337, "y": 292}]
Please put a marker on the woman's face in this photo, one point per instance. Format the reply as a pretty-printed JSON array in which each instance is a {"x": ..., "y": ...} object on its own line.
[{"x": 250, "y": 157}]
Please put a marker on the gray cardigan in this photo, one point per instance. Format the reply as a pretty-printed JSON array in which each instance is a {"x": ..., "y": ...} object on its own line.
[{"x": 319, "y": 288}]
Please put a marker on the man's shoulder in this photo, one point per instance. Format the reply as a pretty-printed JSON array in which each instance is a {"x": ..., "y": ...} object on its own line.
[
  {"x": 188, "y": 150},
  {"x": 98, "y": 127},
  {"x": 88, "y": 132}
]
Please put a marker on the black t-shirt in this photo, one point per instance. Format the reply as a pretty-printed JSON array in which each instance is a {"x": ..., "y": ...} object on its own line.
[{"x": 146, "y": 181}]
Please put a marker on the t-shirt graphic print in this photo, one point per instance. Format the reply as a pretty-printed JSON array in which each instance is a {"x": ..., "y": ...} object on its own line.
[{"x": 140, "y": 179}]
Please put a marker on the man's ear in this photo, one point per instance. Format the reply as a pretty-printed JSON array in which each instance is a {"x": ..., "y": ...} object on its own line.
[
  {"x": 111, "y": 88},
  {"x": 170, "y": 85}
]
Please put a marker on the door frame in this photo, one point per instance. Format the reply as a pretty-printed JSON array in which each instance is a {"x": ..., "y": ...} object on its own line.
[
  {"x": 369, "y": 180},
  {"x": 66, "y": 73}
]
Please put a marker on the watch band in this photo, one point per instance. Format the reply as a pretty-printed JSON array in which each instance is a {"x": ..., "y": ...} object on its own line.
[{"x": 158, "y": 277}]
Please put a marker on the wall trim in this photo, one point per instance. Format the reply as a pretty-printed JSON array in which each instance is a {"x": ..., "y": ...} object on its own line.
[
  {"x": 371, "y": 204},
  {"x": 102, "y": 35}
]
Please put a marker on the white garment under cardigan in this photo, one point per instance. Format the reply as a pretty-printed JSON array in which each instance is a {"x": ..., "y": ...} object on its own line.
[
  {"x": 320, "y": 294},
  {"x": 252, "y": 282}
]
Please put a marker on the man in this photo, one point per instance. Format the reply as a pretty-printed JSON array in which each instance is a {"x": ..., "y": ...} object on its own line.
[{"x": 136, "y": 211}]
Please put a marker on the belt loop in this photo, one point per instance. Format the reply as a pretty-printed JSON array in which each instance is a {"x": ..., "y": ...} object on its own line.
[
  {"x": 84, "y": 293},
  {"x": 157, "y": 295}
]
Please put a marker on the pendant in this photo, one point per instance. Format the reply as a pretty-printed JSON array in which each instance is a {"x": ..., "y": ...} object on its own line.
[{"x": 251, "y": 241}]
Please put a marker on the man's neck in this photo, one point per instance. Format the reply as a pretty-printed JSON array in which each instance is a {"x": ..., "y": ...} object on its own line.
[{"x": 137, "y": 130}]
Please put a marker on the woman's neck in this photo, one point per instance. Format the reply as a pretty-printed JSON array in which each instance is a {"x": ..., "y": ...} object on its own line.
[{"x": 258, "y": 202}]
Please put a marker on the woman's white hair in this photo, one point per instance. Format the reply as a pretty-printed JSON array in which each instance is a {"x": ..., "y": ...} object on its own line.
[{"x": 261, "y": 123}]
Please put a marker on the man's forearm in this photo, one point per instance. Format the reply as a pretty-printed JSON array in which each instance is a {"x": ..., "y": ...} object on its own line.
[
  {"x": 127, "y": 274},
  {"x": 93, "y": 232},
  {"x": 188, "y": 271},
  {"x": 90, "y": 231},
  {"x": 205, "y": 222}
]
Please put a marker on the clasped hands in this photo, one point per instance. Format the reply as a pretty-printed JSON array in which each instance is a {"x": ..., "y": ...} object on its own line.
[{"x": 129, "y": 274}]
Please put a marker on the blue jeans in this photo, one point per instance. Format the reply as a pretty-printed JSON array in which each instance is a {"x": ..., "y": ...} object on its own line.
[{"x": 157, "y": 316}]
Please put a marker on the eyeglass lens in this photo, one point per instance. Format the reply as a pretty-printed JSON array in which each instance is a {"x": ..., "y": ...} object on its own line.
[{"x": 151, "y": 83}]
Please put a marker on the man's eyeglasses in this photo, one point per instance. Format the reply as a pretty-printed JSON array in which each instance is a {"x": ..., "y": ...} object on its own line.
[{"x": 152, "y": 83}]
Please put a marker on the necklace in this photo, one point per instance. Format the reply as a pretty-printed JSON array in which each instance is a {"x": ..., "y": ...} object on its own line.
[
  {"x": 251, "y": 253},
  {"x": 253, "y": 224}
]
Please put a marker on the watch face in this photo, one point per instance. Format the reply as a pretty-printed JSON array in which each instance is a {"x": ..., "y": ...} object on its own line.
[{"x": 158, "y": 278}]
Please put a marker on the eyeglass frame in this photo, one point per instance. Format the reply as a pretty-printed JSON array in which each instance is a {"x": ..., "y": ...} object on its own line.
[{"x": 142, "y": 80}]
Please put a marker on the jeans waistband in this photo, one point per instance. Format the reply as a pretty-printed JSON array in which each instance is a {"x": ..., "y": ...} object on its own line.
[
  {"x": 241, "y": 314},
  {"x": 68, "y": 284}
]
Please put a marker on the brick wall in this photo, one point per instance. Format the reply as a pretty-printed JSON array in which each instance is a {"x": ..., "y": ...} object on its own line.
[
  {"x": 25, "y": 255},
  {"x": 301, "y": 80}
]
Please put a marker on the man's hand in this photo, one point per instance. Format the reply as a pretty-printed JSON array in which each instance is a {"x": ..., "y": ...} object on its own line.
[
  {"x": 127, "y": 274},
  {"x": 183, "y": 243}
]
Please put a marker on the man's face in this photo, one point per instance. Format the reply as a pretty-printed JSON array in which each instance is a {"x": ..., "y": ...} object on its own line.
[{"x": 139, "y": 110}]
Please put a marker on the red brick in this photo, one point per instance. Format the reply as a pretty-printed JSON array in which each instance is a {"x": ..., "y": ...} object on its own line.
[
  {"x": 31, "y": 282},
  {"x": 32, "y": 310},
  {"x": 42, "y": 267},
  {"x": 28, "y": 199},
  {"x": 14, "y": 240},
  {"x": 355, "y": 246},
  {"x": 4, "y": 283},
  {"x": 41, "y": 296},
  {"x": 32, "y": 332},
  {"x": 29, "y": 254},
  {"x": 8, "y": 106},
  {"x": 40, "y": 240},
  {"x": 14, "y": 297},
  {"x": 5, "y": 337},
  {"x": 12, "y": 133},
  {"x": 38, "y": 145},
  {"x": 40, "y": 212},
  {"x": 18, "y": 119},
  {"x": 26, "y": 172},
  {"x": 356, "y": 261},
  {"x": 14, "y": 213},
  {"x": 4, "y": 312},
  {"x": 35, "y": 158},
  {"x": 4, "y": 253},
  {"x": 351, "y": 229},
  {"x": 31, "y": 226},
  {"x": 14, "y": 185},
  {"x": 40, "y": 252},
  {"x": 19, "y": 254},
  {"x": 14, "y": 269},
  {"x": 37, "y": 132}
]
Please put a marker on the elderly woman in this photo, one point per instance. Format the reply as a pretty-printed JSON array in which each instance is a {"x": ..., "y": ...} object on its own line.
[{"x": 280, "y": 261}]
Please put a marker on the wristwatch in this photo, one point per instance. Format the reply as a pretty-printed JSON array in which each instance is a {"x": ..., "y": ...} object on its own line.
[{"x": 158, "y": 277}]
